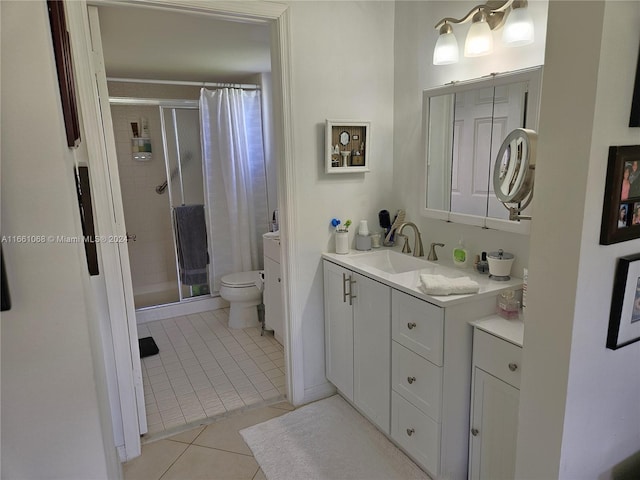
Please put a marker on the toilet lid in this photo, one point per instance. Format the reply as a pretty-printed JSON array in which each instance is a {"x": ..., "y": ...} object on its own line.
[{"x": 241, "y": 279}]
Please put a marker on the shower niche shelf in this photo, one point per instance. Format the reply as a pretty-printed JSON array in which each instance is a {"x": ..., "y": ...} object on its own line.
[{"x": 141, "y": 149}]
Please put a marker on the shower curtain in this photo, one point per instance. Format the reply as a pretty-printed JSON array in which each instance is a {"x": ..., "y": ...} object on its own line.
[{"x": 234, "y": 179}]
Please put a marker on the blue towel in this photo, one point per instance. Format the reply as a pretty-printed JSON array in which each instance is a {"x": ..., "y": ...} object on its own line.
[{"x": 191, "y": 237}]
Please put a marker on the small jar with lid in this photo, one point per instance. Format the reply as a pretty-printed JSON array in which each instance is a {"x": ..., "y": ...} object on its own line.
[{"x": 508, "y": 306}]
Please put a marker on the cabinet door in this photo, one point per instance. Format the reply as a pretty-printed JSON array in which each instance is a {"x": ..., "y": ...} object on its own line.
[
  {"x": 494, "y": 426},
  {"x": 338, "y": 329},
  {"x": 274, "y": 317},
  {"x": 372, "y": 349}
]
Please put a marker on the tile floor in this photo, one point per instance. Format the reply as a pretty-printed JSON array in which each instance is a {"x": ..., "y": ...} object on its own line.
[
  {"x": 205, "y": 369},
  {"x": 216, "y": 451}
]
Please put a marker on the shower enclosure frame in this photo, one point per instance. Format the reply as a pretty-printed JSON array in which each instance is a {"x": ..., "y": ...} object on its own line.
[{"x": 165, "y": 104}]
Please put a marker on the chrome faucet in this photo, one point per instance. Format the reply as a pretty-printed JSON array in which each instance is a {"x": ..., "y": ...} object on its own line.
[
  {"x": 418, "y": 250},
  {"x": 432, "y": 251}
]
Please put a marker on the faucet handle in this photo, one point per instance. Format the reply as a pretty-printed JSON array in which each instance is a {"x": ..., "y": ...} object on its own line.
[
  {"x": 405, "y": 247},
  {"x": 433, "y": 256}
]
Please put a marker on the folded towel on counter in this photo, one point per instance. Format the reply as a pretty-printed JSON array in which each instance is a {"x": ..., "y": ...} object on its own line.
[{"x": 441, "y": 285}]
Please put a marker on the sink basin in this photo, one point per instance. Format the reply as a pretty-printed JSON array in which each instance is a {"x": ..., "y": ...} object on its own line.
[{"x": 390, "y": 261}]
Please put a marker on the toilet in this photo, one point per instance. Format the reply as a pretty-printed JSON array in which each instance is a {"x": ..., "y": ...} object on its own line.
[{"x": 243, "y": 291}]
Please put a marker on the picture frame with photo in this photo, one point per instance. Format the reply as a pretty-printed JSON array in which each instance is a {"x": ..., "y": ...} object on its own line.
[
  {"x": 621, "y": 210},
  {"x": 347, "y": 146},
  {"x": 624, "y": 319}
]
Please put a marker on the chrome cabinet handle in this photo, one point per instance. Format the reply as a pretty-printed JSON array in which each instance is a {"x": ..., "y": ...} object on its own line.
[
  {"x": 411, "y": 379},
  {"x": 411, "y": 325},
  {"x": 351, "y": 295},
  {"x": 344, "y": 287},
  {"x": 475, "y": 432},
  {"x": 513, "y": 367}
]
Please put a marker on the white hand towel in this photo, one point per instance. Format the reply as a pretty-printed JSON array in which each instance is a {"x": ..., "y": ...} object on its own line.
[{"x": 441, "y": 285}]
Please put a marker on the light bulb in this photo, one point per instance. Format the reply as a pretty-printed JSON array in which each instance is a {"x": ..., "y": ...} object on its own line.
[
  {"x": 446, "y": 49},
  {"x": 479, "y": 39},
  {"x": 518, "y": 29}
]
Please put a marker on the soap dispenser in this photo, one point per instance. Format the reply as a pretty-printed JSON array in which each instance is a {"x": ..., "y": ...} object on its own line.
[
  {"x": 363, "y": 239},
  {"x": 460, "y": 255}
]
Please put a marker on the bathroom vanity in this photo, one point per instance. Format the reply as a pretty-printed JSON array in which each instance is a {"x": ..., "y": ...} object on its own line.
[{"x": 404, "y": 358}]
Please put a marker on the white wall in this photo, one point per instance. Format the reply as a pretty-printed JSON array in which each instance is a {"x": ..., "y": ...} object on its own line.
[
  {"x": 579, "y": 414},
  {"x": 342, "y": 68},
  {"x": 415, "y": 38},
  {"x": 52, "y": 423}
]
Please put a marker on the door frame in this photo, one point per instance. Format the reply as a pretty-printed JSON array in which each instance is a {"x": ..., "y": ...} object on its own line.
[{"x": 108, "y": 201}]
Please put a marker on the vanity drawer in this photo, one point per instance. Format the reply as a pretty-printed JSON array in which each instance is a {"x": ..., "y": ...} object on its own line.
[
  {"x": 416, "y": 433},
  {"x": 497, "y": 357},
  {"x": 417, "y": 325},
  {"x": 417, "y": 380}
]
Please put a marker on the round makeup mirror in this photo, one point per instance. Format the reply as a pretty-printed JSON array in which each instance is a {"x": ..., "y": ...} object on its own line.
[{"x": 514, "y": 170}]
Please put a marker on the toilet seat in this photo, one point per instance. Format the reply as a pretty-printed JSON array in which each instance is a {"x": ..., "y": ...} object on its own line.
[{"x": 241, "y": 279}]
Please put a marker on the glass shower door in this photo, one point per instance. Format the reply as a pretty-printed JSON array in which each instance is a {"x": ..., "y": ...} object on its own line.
[{"x": 181, "y": 136}]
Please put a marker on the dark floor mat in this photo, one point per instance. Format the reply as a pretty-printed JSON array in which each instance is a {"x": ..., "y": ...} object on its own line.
[{"x": 147, "y": 346}]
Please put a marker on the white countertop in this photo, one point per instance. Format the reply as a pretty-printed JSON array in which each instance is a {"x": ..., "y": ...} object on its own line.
[
  {"x": 510, "y": 330},
  {"x": 408, "y": 282}
]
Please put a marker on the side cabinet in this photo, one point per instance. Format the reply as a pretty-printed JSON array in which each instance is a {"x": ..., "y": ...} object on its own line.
[
  {"x": 494, "y": 407},
  {"x": 358, "y": 340},
  {"x": 273, "y": 308}
]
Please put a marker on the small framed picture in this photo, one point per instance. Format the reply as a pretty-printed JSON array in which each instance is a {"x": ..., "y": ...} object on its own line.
[
  {"x": 621, "y": 210},
  {"x": 624, "y": 321},
  {"x": 347, "y": 146}
]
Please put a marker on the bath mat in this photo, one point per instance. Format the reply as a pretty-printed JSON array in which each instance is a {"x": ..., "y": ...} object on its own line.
[
  {"x": 327, "y": 440},
  {"x": 147, "y": 347}
]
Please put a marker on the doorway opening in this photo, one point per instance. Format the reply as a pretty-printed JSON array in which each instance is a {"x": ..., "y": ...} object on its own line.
[{"x": 172, "y": 85}]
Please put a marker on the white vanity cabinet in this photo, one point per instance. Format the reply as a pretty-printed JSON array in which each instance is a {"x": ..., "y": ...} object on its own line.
[
  {"x": 404, "y": 358},
  {"x": 357, "y": 340},
  {"x": 497, "y": 355}
]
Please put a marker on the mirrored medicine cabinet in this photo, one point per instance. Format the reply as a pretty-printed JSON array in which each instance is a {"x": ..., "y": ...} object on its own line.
[{"x": 464, "y": 125}]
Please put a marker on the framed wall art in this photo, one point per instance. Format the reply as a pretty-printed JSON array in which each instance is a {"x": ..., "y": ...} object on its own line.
[
  {"x": 621, "y": 212},
  {"x": 624, "y": 321},
  {"x": 634, "y": 118},
  {"x": 64, "y": 67},
  {"x": 347, "y": 146}
]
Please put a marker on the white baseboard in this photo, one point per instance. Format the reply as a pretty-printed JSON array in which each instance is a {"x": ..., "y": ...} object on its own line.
[
  {"x": 318, "y": 392},
  {"x": 162, "y": 312}
]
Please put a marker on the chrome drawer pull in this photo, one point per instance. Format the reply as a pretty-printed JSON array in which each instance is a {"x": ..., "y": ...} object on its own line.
[
  {"x": 475, "y": 432},
  {"x": 411, "y": 379},
  {"x": 513, "y": 367},
  {"x": 344, "y": 288},
  {"x": 351, "y": 295},
  {"x": 411, "y": 431},
  {"x": 411, "y": 325}
]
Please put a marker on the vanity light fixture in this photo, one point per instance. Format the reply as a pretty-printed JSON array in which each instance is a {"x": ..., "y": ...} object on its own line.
[{"x": 512, "y": 14}]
